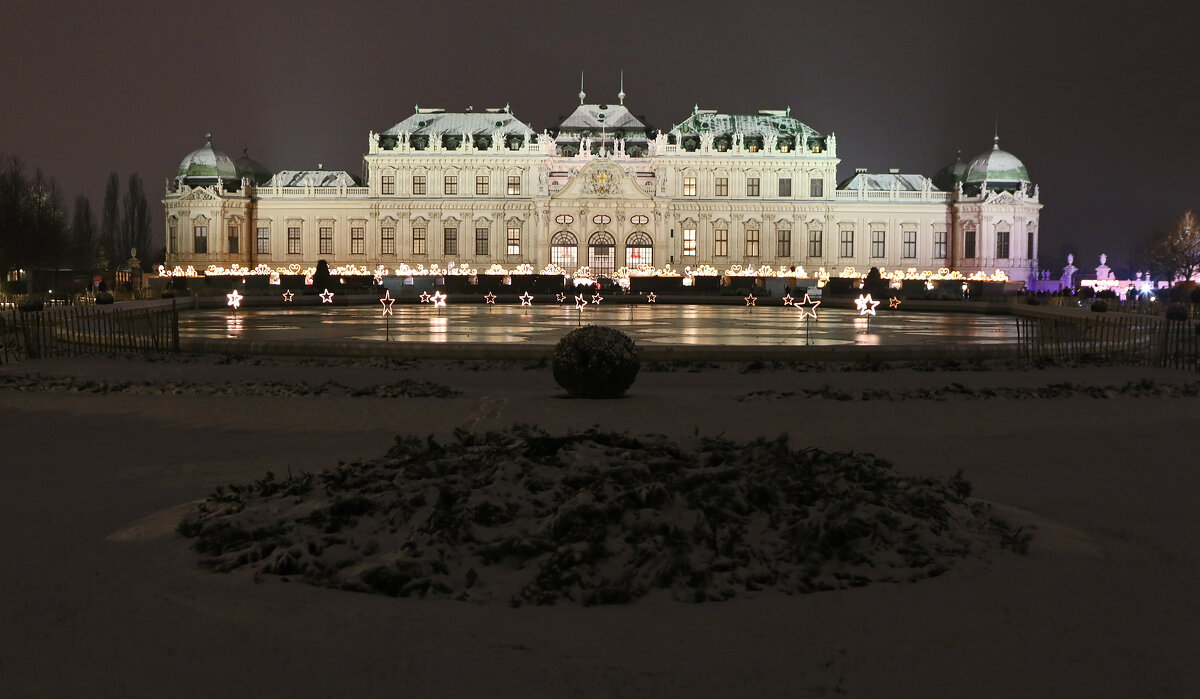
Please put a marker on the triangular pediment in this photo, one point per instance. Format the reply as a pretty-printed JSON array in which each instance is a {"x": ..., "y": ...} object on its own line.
[
  {"x": 201, "y": 193},
  {"x": 1002, "y": 199},
  {"x": 602, "y": 179}
]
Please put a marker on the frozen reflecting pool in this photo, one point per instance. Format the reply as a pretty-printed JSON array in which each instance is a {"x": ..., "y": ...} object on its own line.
[{"x": 650, "y": 324}]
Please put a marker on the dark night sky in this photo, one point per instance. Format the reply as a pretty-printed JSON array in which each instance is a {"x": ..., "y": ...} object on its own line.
[{"x": 1098, "y": 99}]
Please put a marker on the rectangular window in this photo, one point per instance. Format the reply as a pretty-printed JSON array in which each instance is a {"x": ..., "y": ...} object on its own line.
[
  {"x": 910, "y": 244},
  {"x": 816, "y": 187},
  {"x": 878, "y": 244},
  {"x": 388, "y": 185},
  {"x": 751, "y": 243},
  {"x": 419, "y": 241},
  {"x": 783, "y": 247},
  {"x": 752, "y": 186},
  {"x": 689, "y": 186},
  {"x": 722, "y": 187},
  {"x": 847, "y": 244},
  {"x": 387, "y": 240},
  {"x": 451, "y": 184},
  {"x": 721, "y": 242},
  {"x": 358, "y": 241},
  {"x": 939, "y": 245},
  {"x": 785, "y": 186},
  {"x": 1002, "y": 244},
  {"x": 264, "y": 240},
  {"x": 1029, "y": 245},
  {"x": 418, "y": 184},
  {"x": 450, "y": 241},
  {"x": 514, "y": 240},
  {"x": 969, "y": 244},
  {"x": 200, "y": 239},
  {"x": 514, "y": 185},
  {"x": 481, "y": 185},
  {"x": 173, "y": 239},
  {"x": 234, "y": 235},
  {"x": 293, "y": 240},
  {"x": 815, "y": 244},
  {"x": 326, "y": 239},
  {"x": 689, "y": 242},
  {"x": 481, "y": 241}
]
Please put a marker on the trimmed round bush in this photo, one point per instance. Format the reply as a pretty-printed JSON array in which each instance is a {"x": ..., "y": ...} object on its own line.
[
  {"x": 1099, "y": 307},
  {"x": 103, "y": 297},
  {"x": 596, "y": 362}
]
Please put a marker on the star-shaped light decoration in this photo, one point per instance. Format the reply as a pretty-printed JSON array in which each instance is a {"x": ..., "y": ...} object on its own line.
[
  {"x": 526, "y": 299},
  {"x": 751, "y": 299},
  {"x": 865, "y": 305},
  {"x": 326, "y": 296},
  {"x": 489, "y": 297},
  {"x": 387, "y": 302},
  {"x": 561, "y": 297},
  {"x": 235, "y": 299},
  {"x": 597, "y": 298},
  {"x": 287, "y": 296},
  {"x": 651, "y": 297},
  {"x": 788, "y": 300},
  {"x": 580, "y": 302},
  {"x": 807, "y": 307},
  {"x": 438, "y": 299},
  {"x": 425, "y": 297},
  {"x": 894, "y": 302}
]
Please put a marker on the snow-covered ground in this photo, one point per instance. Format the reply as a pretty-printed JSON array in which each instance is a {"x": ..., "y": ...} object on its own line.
[{"x": 100, "y": 597}]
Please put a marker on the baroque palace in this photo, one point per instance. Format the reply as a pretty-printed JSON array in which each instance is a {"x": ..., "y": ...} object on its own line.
[{"x": 603, "y": 195}]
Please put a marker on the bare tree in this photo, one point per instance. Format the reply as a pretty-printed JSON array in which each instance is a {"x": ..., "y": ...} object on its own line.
[
  {"x": 31, "y": 220},
  {"x": 1176, "y": 251},
  {"x": 110, "y": 218},
  {"x": 84, "y": 242},
  {"x": 135, "y": 221}
]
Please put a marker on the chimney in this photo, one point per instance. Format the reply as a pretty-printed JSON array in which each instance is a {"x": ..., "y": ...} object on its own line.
[
  {"x": 860, "y": 171},
  {"x": 894, "y": 170}
]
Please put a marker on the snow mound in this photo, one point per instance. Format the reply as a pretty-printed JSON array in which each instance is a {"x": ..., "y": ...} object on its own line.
[{"x": 596, "y": 517}]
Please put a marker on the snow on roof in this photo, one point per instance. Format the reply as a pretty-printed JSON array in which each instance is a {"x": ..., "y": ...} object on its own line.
[
  {"x": 747, "y": 124},
  {"x": 312, "y": 178},
  {"x": 595, "y": 116},
  {"x": 885, "y": 182},
  {"x": 452, "y": 123}
]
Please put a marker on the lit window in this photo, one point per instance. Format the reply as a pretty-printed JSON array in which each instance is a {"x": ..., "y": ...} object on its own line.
[
  {"x": 264, "y": 240},
  {"x": 639, "y": 250},
  {"x": 481, "y": 241},
  {"x": 564, "y": 250},
  {"x": 721, "y": 242},
  {"x": 451, "y": 184},
  {"x": 816, "y": 187},
  {"x": 815, "y": 243},
  {"x": 752, "y": 186},
  {"x": 910, "y": 244},
  {"x": 847, "y": 243},
  {"x": 785, "y": 186},
  {"x": 481, "y": 185},
  {"x": 293, "y": 240},
  {"x": 751, "y": 243},
  {"x": 939, "y": 245},
  {"x": 689, "y": 186},
  {"x": 387, "y": 240},
  {"x": 418, "y": 184},
  {"x": 450, "y": 241},
  {"x": 358, "y": 241},
  {"x": 514, "y": 241},
  {"x": 878, "y": 244},
  {"x": 689, "y": 242},
  {"x": 326, "y": 239},
  {"x": 388, "y": 184},
  {"x": 200, "y": 239},
  {"x": 783, "y": 247},
  {"x": 722, "y": 188},
  {"x": 1002, "y": 244},
  {"x": 419, "y": 241},
  {"x": 514, "y": 185}
]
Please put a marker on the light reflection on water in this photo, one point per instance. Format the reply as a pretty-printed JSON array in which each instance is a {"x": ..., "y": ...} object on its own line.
[{"x": 658, "y": 324}]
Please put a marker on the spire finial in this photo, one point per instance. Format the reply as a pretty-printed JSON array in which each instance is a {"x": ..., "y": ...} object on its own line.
[
  {"x": 582, "y": 94},
  {"x": 996, "y": 135},
  {"x": 621, "y": 94},
  {"x": 208, "y": 139}
]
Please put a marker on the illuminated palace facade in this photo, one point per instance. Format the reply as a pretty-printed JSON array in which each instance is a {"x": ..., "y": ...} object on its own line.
[{"x": 481, "y": 190}]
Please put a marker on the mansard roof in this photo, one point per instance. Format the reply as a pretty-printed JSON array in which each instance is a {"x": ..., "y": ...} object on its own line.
[
  {"x": 778, "y": 122},
  {"x": 452, "y": 123},
  {"x": 313, "y": 178},
  {"x": 593, "y": 117},
  {"x": 887, "y": 182}
]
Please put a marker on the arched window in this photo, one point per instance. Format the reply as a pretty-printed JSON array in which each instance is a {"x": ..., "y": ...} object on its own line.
[
  {"x": 564, "y": 251},
  {"x": 602, "y": 254},
  {"x": 639, "y": 249}
]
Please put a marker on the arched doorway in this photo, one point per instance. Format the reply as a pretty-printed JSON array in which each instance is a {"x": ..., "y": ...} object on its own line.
[
  {"x": 602, "y": 254},
  {"x": 564, "y": 251},
  {"x": 639, "y": 249}
]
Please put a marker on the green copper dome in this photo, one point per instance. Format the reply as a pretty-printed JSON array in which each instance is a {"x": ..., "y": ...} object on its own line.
[
  {"x": 207, "y": 163},
  {"x": 997, "y": 168}
]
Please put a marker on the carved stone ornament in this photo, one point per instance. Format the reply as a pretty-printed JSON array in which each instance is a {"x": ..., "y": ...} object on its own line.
[{"x": 602, "y": 181}]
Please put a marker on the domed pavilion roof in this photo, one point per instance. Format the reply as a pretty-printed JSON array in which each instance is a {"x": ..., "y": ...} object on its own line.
[
  {"x": 997, "y": 168},
  {"x": 251, "y": 169},
  {"x": 947, "y": 178},
  {"x": 207, "y": 163}
]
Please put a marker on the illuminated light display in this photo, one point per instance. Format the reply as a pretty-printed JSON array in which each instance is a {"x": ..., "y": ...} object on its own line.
[
  {"x": 560, "y": 296},
  {"x": 424, "y": 297},
  {"x": 597, "y": 298},
  {"x": 438, "y": 299},
  {"x": 788, "y": 300},
  {"x": 893, "y": 302},
  {"x": 235, "y": 299},
  {"x": 288, "y": 296},
  {"x": 326, "y": 296},
  {"x": 865, "y": 305},
  {"x": 526, "y": 299},
  {"x": 489, "y": 297},
  {"x": 807, "y": 308},
  {"x": 651, "y": 297},
  {"x": 751, "y": 299},
  {"x": 580, "y": 302},
  {"x": 387, "y": 302}
]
